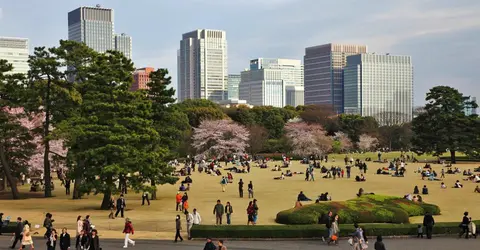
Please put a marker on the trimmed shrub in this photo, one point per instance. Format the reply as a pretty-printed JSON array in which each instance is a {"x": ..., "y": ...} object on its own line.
[
  {"x": 313, "y": 231},
  {"x": 366, "y": 209}
]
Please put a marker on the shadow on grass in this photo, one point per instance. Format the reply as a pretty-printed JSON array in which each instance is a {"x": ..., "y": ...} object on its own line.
[{"x": 7, "y": 195}]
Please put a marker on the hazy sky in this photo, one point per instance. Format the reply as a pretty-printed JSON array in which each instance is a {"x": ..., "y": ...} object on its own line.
[{"x": 442, "y": 36}]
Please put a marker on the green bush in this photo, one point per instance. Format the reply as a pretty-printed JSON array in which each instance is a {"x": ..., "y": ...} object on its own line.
[
  {"x": 366, "y": 209},
  {"x": 313, "y": 231}
]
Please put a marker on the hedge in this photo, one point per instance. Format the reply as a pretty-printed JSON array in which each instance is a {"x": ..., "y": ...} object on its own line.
[
  {"x": 313, "y": 231},
  {"x": 366, "y": 209}
]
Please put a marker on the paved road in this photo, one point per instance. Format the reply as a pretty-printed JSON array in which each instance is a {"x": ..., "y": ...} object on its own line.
[{"x": 391, "y": 244}]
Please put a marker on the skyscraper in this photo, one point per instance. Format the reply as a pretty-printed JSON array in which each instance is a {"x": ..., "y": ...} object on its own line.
[
  {"x": 265, "y": 83},
  {"x": 15, "y": 51},
  {"x": 233, "y": 82},
  {"x": 202, "y": 65},
  {"x": 294, "y": 95},
  {"x": 123, "y": 43},
  {"x": 380, "y": 86},
  {"x": 141, "y": 77},
  {"x": 92, "y": 26},
  {"x": 469, "y": 110},
  {"x": 324, "y": 73}
]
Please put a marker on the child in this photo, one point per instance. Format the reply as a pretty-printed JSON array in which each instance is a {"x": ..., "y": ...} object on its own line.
[{"x": 419, "y": 231}]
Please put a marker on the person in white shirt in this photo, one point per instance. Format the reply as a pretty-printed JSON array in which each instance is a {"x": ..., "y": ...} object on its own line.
[
  {"x": 196, "y": 217},
  {"x": 189, "y": 224}
]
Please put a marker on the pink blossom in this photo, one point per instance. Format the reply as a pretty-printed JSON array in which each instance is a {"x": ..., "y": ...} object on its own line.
[
  {"x": 367, "y": 143},
  {"x": 345, "y": 142},
  {"x": 220, "y": 138},
  {"x": 308, "y": 139}
]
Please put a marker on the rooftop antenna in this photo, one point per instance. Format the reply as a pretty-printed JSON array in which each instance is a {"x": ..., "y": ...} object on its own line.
[{"x": 98, "y": 6}]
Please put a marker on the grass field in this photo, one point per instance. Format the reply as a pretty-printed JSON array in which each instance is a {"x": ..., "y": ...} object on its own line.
[{"x": 158, "y": 220}]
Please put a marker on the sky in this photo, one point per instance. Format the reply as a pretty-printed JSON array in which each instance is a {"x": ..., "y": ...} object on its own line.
[{"x": 442, "y": 36}]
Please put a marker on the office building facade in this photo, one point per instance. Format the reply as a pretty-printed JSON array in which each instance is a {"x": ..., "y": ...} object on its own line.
[
  {"x": 294, "y": 95},
  {"x": 324, "y": 73},
  {"x": 203, "y": 65},
  {"x": 469, "y": 110},
  {"x": 380, "y": 86},
  {"x": 266, "y": 82},
  {"x": 233, "y": 82},
  {"x": 123, "y": 43},
  {"x": 15, "y": 51},
  {"x": 141, "y": 77}
]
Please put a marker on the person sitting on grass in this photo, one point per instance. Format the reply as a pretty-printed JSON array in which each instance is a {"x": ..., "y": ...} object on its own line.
[
  {"x": 275, "y": 168},
  {"x": 458, "y": 184},
  {"x": 380, "y": 171},
  {"x": 182, "y": 188},
  {"x": 443, "y": 186},
  {"x": 302, "y": 197},
  {"x": 187, "y": 180},
  {"x": 476, "y": 169},
  {"x": 289, "y": 173},
  {"x": 416, "y": 190},
  {"x": 323, "y": 197},
  {"x": 282, "y": 177},
  {"x": 415, "y": 199},
  {"x": 420, "y": 199},
  {"x": 424, "y": 189},
  {"x": 360, "y": 178},
  {"x": 477, "y": 190},
  {"x": 298, "y": 204}
]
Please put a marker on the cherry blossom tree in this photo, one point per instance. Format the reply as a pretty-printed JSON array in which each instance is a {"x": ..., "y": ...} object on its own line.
[
  {"x": 367, "y": 143},
  {"x": 219, "y": 138},
  {"x": 308, "y": 139},
  {"x": 345, "y": 142}
]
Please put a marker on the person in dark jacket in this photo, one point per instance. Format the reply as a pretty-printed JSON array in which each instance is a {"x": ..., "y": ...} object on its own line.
[
  {"x": 379, "y": 244},
  {"x": 218, "y": 211},
  {"x": 67, "y": 187},
  {"x": 52, "y": 240},
  {"x": 178, "y": 228},
  {"x": 82, "y": 242},
  {"x": 87, "y": 227},
  {"x": 94, "y": 241},
  {"x": 464, "y": 226},
  {"x": 328, "y": 225},
  {"x": 428, "y": 223},
  {"x": 18, "y": 232},
  {"x": 209, "y": 245},
  {"x": 48, "y": 224},
  {"x": 120, "y": 206},
  {"x": 1, "y": 223},
  {"x": 64, "y": 239},
  {"x": 240, "y": 188}
]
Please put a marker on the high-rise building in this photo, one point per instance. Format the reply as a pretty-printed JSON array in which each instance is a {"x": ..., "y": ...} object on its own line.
[
  {"x": 233, "y": 82},
  {"x": 265, "y": 83},
  {"x": 123, "y": 43},
  {"x": 324, "y": 73},
  {"x": 141, "y": 77},
  {"x": 15, "y": 51},
  {"x": 294, "y": 95},
  {"x": 380, "y": 86},
  {"x": 469, "y": 110},
  {"x": 92, "y": 26},
  {"x": 202, "y": 65}
]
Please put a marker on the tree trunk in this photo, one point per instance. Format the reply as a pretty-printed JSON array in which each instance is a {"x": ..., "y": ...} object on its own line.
[
  {"x": 452, "y": 157},
  {"x": 8, "y": 173},
  {"x": 77, "y": 194},
  {"x": 3, "y": 185},
  {"x": 46, "y": 132},
  {"x": 154, "y": 192},
  {"x": 106, "y": 200}
]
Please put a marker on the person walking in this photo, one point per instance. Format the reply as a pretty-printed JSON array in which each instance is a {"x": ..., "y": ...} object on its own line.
[
  {"x": 111, "y": 205},
  {"x": 250, "y": 212},
  {"x": 178, "y": 201},
  {"x": 79, "y": 224},
  {"x": 379, "y": 245},
  {"x": 442, "y": 176},
  {"x": 472, "y": 228},
  {"x": 83, "y": 241},
  {"x": 221, "y": 246},
  {"x": 197, "y": 219},
  {"x": 428, "y": 223},
  {"x": 145, "y": 197},
  {"x": 27, "y": 236},
  {"x": 189, "y": 218},
  {"x": 223, "y": 183},
  {"x": 67, "y": 187},
  {"x": 121, "y": 204},
  {"x": 87, "y": 226},
  {"x": 18, "y": 232},
  {"x": 209, "y": 245},
  {"x": 229, "y": 212},
  {"x": 255, "y": 211},
  {"x": 52, "y": 240},
  {"x": 250, "y": 190},
  {"x": 328, "y": 226},
  {"x": 65, "y": 240},
  {"x": 464, "y": 225},
  {"x": 218, "y": 211},
  {"x": 178, "y": 228},
  {"x": 240, "y": 188},
  {"x": 48, "y": 224},
  {"x": 184, "y": 200},
  {"x": 94, "y": 241},
  {"x": 128, "y": 230},
  {"x": 335, "y": 230}
]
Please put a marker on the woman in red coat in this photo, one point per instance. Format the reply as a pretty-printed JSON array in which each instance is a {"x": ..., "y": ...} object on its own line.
[{"x": 127, "y": 231}]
